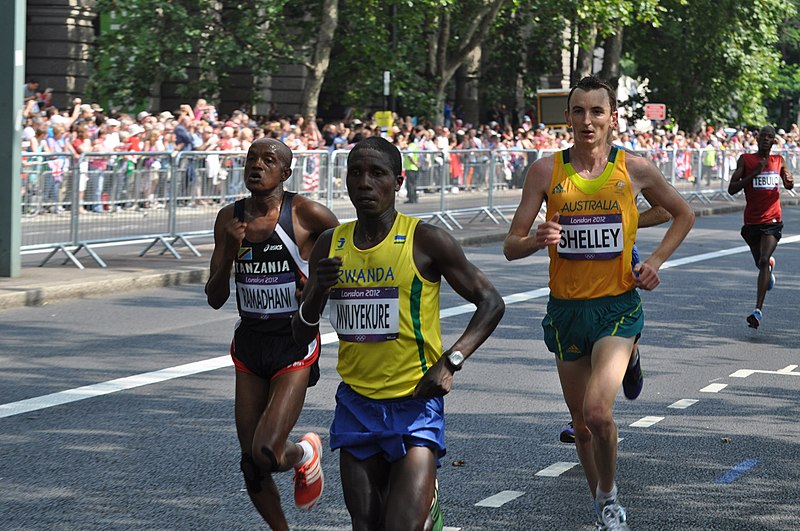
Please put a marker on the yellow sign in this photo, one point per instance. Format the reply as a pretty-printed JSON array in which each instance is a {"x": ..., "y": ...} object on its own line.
[{"x": 384, "y": 118}]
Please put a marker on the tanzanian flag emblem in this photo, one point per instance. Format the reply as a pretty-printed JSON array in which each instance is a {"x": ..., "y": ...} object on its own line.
[
  {"x": 400, "y": 239},
  {"x": 245, "y": 253}
]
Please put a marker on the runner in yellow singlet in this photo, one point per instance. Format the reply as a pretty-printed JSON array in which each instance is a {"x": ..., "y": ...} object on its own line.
[
  {"x": 594, "y": 312},
  {"x": 380, "y": 276}
]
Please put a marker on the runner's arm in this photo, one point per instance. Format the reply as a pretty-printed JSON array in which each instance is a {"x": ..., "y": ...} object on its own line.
[
  {"x": 226, "y": 246},
  {"x": 322, "y": 275},
  {"x": 437, "y": 253},
  {"x": 655, "y": 215},
  {"x": 519, "y": 242},
  {"x": 788, "y": 180},
  {"x": 650, "y": 181},
  {"x": 739, "y": 179}
]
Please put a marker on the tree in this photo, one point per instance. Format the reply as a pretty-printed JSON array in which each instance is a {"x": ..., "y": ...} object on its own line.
[
  {"x": 449, "y": 44},
  {"x": 711, "y": 71},
  {"x": 195, "y": 43},
  {"x": 784, "y": 108},
  {"x": 318, "y": 66}
]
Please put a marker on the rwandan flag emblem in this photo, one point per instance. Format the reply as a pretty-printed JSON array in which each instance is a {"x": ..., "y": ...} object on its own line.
[
  {"x": 400, "y": 239},
  {"x": 245, "y": 253}
]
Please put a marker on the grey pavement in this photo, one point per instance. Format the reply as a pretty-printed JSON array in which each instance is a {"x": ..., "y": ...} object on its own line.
[{"x": 59, "y": 279}]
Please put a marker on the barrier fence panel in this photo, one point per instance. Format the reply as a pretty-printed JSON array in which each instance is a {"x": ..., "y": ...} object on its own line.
[{"x": 71, "y": 204}]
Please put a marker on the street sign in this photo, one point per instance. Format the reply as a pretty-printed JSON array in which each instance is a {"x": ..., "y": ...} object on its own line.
[{"x": 655, "y": 111}]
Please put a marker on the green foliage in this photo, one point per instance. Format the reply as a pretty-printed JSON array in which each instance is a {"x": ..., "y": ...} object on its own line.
[
  {"x": 716, "y": 68},
  {"x": 195, "y": 43},
  {"x": 526, "y": 41}
]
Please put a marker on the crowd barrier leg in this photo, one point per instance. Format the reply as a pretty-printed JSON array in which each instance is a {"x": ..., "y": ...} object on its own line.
[
  {"x": 70, "y": 257},
  {"x": 167, "y": 247}
]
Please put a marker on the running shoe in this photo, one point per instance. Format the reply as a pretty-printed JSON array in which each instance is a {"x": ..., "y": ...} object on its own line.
[
  {"x": 771, "y": 273},
  {"x": 567, "y": 434},
  {"x": 436, "y": 509},
  {"x": 633, "y": 381},
  {"x": 611, "y": 517},
  {"x": 754, "y": 319},
  {"x": 308, "y": 478}
]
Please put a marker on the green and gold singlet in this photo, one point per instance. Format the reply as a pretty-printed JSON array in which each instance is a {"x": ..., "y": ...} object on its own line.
[
  {"x": 385, "y": 313},
  {"x": 599, "y": 220}
]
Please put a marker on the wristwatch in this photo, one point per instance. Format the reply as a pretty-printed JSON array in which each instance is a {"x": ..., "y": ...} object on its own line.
[{"x": 455, "y": 360}]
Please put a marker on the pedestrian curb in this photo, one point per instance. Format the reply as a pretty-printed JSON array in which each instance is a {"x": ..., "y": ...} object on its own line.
[{"x": 40, "y": 296}]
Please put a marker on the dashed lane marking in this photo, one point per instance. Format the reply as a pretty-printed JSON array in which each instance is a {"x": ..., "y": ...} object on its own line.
[
  {"x": 683, "y": 403},
  {"x": 556, "y": 469},
  {"x": 713, "y": 388},
  {"x": 646, "y": 422},
  {"x": 500, "y": 499}
]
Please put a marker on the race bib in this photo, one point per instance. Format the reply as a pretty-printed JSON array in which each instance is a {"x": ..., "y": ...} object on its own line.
[
  {"x": 767, "y": 180},
  {"x": 365, "y": 315},
  {"x": 267, "y": 296},
  {"x": 591, "y": 237}
]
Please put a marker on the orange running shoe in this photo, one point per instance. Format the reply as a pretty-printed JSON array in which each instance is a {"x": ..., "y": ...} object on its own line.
[{"x": 308, "y": 478}]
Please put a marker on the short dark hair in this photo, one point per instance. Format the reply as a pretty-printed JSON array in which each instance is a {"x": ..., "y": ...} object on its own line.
[
  {"x": 595, "y": 83},
  {"x": 382, "y": 145}
]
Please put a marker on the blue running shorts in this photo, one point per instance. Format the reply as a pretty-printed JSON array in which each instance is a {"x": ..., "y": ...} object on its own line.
[{"x": 366, "y": 427}]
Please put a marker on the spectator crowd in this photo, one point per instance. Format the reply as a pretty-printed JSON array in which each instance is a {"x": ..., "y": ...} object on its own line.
[{"x": 88, "y": 128}]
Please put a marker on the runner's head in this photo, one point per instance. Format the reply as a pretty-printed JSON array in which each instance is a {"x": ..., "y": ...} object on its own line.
[
  {"x": 268, "y": 164},
  {"x": 766, "y": 139},
  {"x": 591, "y": 111},
  {"x": 374, "y": 175}
]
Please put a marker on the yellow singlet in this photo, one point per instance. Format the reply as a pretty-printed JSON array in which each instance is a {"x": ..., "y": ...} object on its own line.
[
  {"x": 599, "y": 220},
  {"x": 385, "y": 313}
]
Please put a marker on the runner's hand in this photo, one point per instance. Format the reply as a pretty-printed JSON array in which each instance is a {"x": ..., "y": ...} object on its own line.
[
  {"x": 328, "y": 272},
  {"x": 646, "y": 276},
  {"x": 437, "y": 381},
  {"x": 549, "y": 232}
]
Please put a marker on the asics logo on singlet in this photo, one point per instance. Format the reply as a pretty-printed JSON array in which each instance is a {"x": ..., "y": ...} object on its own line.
[
  {"x": 268, "y": 248},
  {"x": 340, "y": 245},
  {"x": 558, "y": 189}
]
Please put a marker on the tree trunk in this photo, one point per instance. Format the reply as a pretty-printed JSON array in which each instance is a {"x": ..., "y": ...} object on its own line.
[
  {"x": 612, "y": 51},
  {"x": 475, "y": 30},
  {"x": 321, "y": 59},
  {"x": 469, "y": 72},
  {"x": 584, "y": 62}
]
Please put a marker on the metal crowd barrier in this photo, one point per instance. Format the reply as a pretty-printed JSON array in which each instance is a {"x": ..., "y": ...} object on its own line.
[{"x": 166, "y": 199}]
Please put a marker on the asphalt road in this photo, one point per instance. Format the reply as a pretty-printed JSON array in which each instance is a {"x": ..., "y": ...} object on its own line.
[{"x": 150, "y": 450}]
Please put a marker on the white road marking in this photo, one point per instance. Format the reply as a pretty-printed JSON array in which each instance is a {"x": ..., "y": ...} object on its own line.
[
  {"x": 556, "y": 469},
  {"x": 500, "y": 499},
  {"x": 744, "y": 373},
  {"x": 713, "y": 388},
  {"x": 131, "y": 382},
  {"x": 112, "y": 386},
  {"x": 683, "y": 403},
  {"x": 646, "y": 422}
]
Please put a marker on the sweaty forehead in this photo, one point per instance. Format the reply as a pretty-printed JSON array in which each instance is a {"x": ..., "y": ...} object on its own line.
[{"x": 274, "y": 147}]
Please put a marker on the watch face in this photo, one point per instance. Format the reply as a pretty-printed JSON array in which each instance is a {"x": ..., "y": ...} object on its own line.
[{"x": 456, "y": 358}]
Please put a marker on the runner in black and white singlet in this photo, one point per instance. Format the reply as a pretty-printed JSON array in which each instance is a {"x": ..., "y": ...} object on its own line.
[{"x": 265, "y": 240}]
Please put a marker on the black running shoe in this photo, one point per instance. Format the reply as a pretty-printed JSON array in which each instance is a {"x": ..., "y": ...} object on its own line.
[{"x": 633, "y": 381}]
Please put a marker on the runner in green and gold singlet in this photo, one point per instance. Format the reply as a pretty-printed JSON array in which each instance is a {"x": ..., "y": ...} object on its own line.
[{"x": 385, "y": 312}]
